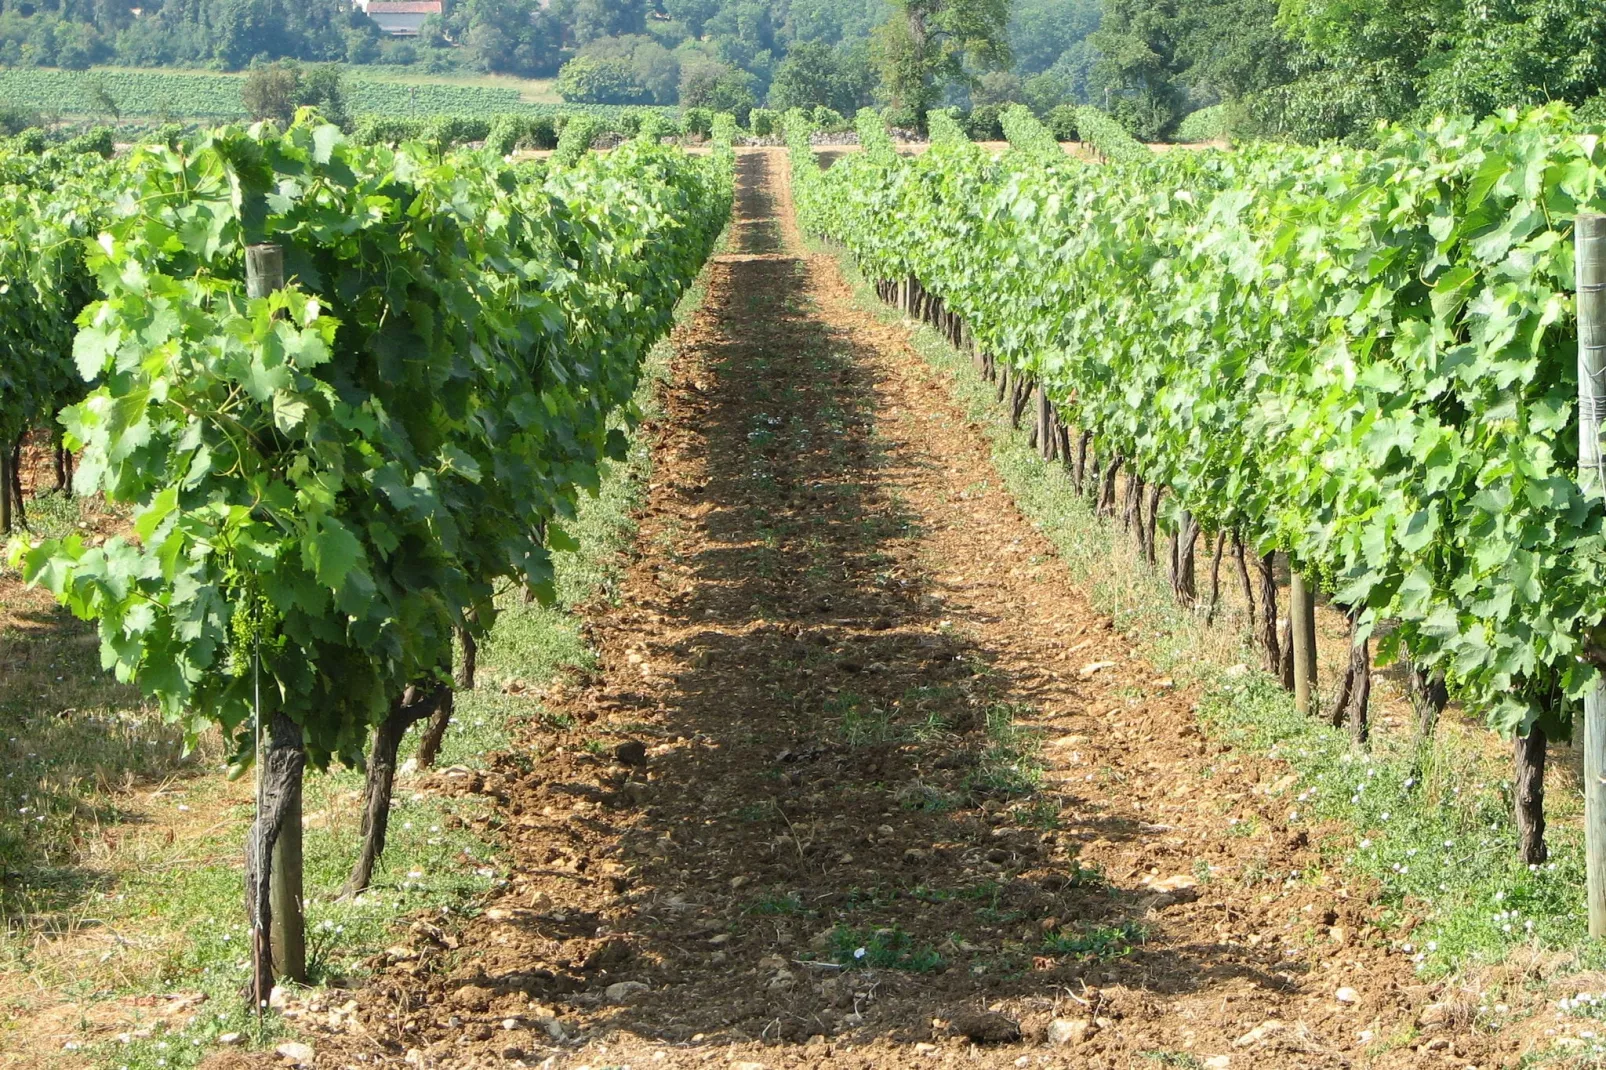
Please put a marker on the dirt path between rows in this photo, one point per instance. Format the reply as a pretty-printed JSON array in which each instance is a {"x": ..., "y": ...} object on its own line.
[{"x": 884, "y": 788}]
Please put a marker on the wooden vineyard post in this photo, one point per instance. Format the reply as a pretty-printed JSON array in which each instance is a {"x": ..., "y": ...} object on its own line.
[
  {"x": 264, "y": 274},
  {"x": 5, "y": 490},
  {"x": 1589, "y": 234},
  {"x": 1302, "y": 617}
]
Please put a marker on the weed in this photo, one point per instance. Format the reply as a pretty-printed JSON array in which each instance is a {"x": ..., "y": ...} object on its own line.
[
  {"x": 1184, "y": 1059},
  {"x": 777, "y": 905},
  {"x": 759, "y": 811},
  {"x": 1099, "y": 943},
  {"x": 1044, "y": 813},
  {"x": 859, "y": 721},
  {"x": 884, "y": 949},
  {"x": 1009, "y": 763}
]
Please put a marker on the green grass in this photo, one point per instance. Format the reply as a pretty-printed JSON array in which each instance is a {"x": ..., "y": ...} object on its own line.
[{"x": 1432, "y": 826}]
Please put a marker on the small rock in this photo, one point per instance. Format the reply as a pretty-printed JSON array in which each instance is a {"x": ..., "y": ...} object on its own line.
[
  {"x": 279, "y": 998},
  {"x": 925, "y": 1049},
  {"x": 1433, "y": 1014},
  {"x": 1264, "y": 1031},
  {"x": 1436, "y": 1044},
  {"x": 1218, "y": 1062},
  {"x": 1338, "y": 935},
  {"x": 747, "y": 1066},
  {"x": 511, "y": 1024},
  {"x": 553, "y": 1029},
  {"x": 231, "y": 1039},
  {"x": 512, "y": 1051},
  {"x": 1180, "y": 882},
  {"x": 295, "y": 1052},
  {"x": 737, "y": 882},
  {"x": 473, "y": 998},
  {"x": 1347, "y": 995},
  {"x": 624, "y": 991},
  {"x": 1069, "y": 1031},
  {"x": 1094, "y": 667},
  {"x": 987, "y": 1027},
  {"x": 478, "y": 1031},
  {"x": 631, "y": 752},
  {"x": 719, "y": 938}
]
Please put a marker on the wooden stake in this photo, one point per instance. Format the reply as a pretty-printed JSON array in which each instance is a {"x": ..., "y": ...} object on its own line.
[
  {"x": 264, "y": 270},
  {"x": 1589, "y": 232},
  {"x": 1302, "y": 611},
  {"x": 5, "y": 490},
  {"x": 264, "y": 275}
]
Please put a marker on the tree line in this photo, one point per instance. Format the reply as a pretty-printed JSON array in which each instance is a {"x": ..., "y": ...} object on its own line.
[{"x": 1303, "y": 70}]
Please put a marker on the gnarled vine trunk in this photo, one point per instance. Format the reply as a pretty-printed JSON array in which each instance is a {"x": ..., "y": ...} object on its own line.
[
  {"x": 1529, "y": 797},
  {"x": 414, "y": 705},
  {"x": 1266, "y": 626}
]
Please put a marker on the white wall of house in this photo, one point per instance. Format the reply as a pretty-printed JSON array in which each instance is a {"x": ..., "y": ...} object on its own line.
[{"x": 400, "y": 24}]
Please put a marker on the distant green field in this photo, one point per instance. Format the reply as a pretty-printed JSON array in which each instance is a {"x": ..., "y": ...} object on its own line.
[{"x": 184, "y": 95}]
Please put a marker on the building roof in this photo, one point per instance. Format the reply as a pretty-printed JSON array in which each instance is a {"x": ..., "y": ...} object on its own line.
[{"x": 404, "y": 7}]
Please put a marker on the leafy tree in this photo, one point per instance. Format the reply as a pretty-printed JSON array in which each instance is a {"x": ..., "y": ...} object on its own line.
[
  {"x": 508, "y": 36},
  {"x": 717, "y": 87},
  {"x": 925, "y": 46},
  {"x": 593, "y": 80},
  {"x": 608, "y": 18},
  {"x": 1045, "y": 91},
  {"x": 1137, "y": 42},
  {"x": 105, "y": 104},
  {"x": 692, "y": 13},
  {"x": 831, "y": 21},
  {"x": 654, "y": 70},
  {"x": 276, "y": 90},
  {"x": 814, "y": 74},
  {"x": 14, "y": 119},
  {"x": 997, "y": 87},
  {"x": 1041, "y": 30},
  {"x": 320, "y": 87},
  {"x": 1520, "y": 53},
  {"x": 269, "y": 92}
]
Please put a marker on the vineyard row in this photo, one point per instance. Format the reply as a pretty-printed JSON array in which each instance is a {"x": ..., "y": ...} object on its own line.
[
  {"x": 348, "y": 394},
  {"x": 1364, "y": 360}
]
